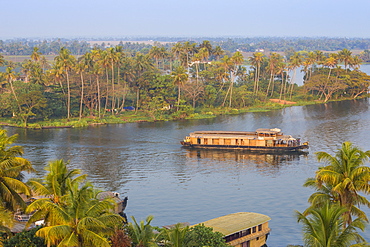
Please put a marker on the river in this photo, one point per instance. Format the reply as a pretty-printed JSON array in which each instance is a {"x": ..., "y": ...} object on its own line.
[{"x": 146, "y": 162}]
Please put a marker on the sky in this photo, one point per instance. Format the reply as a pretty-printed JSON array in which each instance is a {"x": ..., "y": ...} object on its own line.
[{"x": 184, "y": 18}]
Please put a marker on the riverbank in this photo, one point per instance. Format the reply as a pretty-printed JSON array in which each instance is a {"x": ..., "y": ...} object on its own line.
[{"x": 141, "y": 116}]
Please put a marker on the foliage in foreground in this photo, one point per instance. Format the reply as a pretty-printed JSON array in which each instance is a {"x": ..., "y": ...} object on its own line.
[
  {"x": 26, "y": 238},
  {"x": 334, "y": 217},
  {"x": 325, "y": 226},
  {"x": 11, "y": 166},
  {"x": 72, "y": 213}
]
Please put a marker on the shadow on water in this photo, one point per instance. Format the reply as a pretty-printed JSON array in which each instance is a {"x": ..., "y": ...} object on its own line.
[{"x": 267, "y": 163}]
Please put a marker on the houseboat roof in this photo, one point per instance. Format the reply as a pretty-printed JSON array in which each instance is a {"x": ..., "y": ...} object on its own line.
[
  {"x": 241, "y": 133},
  {"x": 236, "y": 222}
]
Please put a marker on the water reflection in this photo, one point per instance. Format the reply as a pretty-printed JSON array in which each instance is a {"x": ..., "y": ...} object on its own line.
[{"x": 264, "y": 163}]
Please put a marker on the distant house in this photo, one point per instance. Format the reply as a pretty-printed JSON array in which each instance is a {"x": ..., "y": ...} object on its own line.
[{"x": 242, "y": 229}]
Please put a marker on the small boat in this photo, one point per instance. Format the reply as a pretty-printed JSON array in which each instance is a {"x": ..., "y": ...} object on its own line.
[
  {"x": 120, "y": 203},
  {"x": 270, "y": 140}
]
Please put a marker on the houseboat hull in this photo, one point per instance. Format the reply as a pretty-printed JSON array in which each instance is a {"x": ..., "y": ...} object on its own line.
[{"x": 300, "y": 148}]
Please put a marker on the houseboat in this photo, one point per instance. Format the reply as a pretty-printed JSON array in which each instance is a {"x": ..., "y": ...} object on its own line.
[
  {"x": 270, "y": 140},
  {"x": 244, "y": 229}
]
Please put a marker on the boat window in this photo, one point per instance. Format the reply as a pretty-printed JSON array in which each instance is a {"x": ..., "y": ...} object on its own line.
[
  {"x": 254, "y": 229},
  {"x": 260, "y": 227},
  {"x": 198, "y": 140}
]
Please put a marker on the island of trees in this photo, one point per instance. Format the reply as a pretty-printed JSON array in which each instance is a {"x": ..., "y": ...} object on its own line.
[{"x": 165, "y": 82}]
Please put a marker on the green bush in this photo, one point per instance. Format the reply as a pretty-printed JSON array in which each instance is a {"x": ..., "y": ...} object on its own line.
[{"x": 25, "y": 239}]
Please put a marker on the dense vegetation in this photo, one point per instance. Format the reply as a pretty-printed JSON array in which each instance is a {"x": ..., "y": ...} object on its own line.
[{"x": 187, "y": 80}]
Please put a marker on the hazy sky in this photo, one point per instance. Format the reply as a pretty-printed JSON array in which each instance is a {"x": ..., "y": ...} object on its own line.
[{"x": 196, "y": 18}]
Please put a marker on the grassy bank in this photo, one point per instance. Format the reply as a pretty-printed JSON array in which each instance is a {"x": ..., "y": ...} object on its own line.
[{"x": 140, "y": 116}]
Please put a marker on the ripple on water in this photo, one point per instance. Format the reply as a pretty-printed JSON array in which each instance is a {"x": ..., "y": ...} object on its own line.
[{"x": 146, "y": 162}]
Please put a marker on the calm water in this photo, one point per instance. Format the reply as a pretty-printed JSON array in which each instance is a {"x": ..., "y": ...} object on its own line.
[{"x": 146, "y": 162}]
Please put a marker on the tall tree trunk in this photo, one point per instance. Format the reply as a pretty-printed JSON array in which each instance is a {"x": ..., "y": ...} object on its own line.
[
  {"x": 178, "y": 97},
  {"x": 82, "y": 94},
  {"x": 113, "y": 100},
  {"x": 68, "y": 97},
  {"x": 268, "y": 87},
  {"x": 107, "y": 89},
  {"x": 99, "y": 101},
  {"x": 137, "y": 99}
]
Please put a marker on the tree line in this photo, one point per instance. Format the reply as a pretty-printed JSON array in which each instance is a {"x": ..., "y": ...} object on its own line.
[
  {"x": 245, "y": 44},
  {"x": 170, "y": 83}
]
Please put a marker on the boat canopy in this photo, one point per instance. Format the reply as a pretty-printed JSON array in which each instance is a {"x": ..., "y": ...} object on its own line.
[{"x": 232, "y": 223}]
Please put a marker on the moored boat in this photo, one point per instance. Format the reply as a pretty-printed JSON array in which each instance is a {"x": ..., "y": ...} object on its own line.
[{"x": 271, "y": 140}]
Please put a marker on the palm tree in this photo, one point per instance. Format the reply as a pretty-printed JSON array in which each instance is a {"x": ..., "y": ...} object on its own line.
[
  {"x": 345, "y": 56},
  {"x": 237, "y": 59},
  {"x": 35, "y": 56},
  {"x": 26, "y": 69},
  {"x": 207, "y": 45},
  {"x": 54, "y": 187},
  {"x": 294, "y": 63},
  {"x": 179, "y": 77},
  {"x": 226, "y": 64},
  {"x": 11, "y": 166},
  {"x": 325, "y": 227},
  {"x": 80, "y": 69},
  {"x": 331, "y": 62},
  {"x": 10, "y": 77},
  {"x": 128, "y": 76},
  {"x": 97, "y": 71},
  {"x": 6, "y": 221},
  {"x": 310, "y": 61},
  {"x": 82, "y": 220},
  {"x": 156, "y": 53},
  {"x": 66, "y": 61},
  {"x": 273, "y": 62},
  {"x": 218, "y": 52},
  {"x": 141, "y": 64},
  {"x": 177, "y": 49},
  {"x": 176, "y": 236},
  {"x": 113, "y": 57},
  {"x": 281, "y": 70},
  {"x": 355, "y": 62},
  {"x": 344, "y": 178},
  {"x": 256, "y": 61},
  {"x": 188, "y": 50},
  {"x": 319, "y": 57},
  {"x": 142, "y": 234},
  {"x": 197, "y": 58},
  {"x": 57, "y": 74},
  {"x": 204, "y": 54}
]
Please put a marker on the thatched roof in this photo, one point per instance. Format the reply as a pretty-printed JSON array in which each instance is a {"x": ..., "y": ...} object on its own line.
[{"x": 236, "y": 222}]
